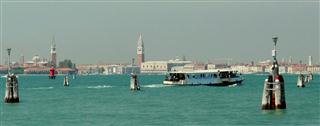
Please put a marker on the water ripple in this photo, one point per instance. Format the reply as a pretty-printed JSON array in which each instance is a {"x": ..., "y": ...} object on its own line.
[
  {"x": 156, "y": 86},
  {"x": 41, "y": 88},
  {"x": 99, "y": 86}
]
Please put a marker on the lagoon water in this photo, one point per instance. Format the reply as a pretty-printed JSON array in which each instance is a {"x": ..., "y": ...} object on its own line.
[{"x": 107, "y": 100}]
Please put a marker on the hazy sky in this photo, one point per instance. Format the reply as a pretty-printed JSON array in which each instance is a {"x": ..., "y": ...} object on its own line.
[{"x": 107, "y": 32}]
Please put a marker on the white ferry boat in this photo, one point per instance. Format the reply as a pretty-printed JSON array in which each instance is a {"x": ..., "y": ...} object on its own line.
[{"x": 203, "y": 77}]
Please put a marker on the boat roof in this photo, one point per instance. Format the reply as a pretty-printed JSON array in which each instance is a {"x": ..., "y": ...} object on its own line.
[{"x": 203, "y": 71}]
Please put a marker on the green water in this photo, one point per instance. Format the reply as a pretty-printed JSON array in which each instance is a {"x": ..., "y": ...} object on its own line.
[{"x": 107, "y": 100}]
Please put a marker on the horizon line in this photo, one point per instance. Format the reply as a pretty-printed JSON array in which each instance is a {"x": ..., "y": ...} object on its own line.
[{"x": 144, "y": 1}]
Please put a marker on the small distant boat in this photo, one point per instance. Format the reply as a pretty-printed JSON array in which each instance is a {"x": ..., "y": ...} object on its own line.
[{"x": 203, "y": 77}]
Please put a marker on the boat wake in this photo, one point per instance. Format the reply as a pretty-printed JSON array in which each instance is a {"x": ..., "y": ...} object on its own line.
[
  {"x": 99, "y": 86},
  {"x": 234, "y": 85},
  {"x": 156, "y": 86},
  {"x": 41, "y": 88}
]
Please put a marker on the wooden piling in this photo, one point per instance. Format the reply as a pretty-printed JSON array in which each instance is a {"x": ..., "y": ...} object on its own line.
[
  {"x": 268, "y": 95},
  {"x": 12, "y": 90},
  {"x": 308, "y": 78},
  {"x": 66, "y": 81},
  {"x": 273, "y": 96},
  {"x": 300, "y": 82},
  {"x": 134, "y": 82},
  {"x": 280, "y": 93}
]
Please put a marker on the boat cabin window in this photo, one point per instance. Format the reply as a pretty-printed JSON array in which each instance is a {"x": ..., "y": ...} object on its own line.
[
  {"x": 228, "y": 74},
  {"x": 175, "y": 77}
]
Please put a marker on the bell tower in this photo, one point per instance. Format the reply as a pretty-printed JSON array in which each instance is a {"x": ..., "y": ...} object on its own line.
[
  {"x": 53, "y": 53},
  {"x": 140, "y": 51}
]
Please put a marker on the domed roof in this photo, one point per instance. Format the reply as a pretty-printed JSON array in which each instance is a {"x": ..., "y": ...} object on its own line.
[{"x": 36, "y": 58}]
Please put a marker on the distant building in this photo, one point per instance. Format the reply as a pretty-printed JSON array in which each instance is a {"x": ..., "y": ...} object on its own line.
[
  {"x": 190, "y": 67},
  {"x": 314, "y": 69},
  {"x": 121, "y": 69},
  {"x": 194, "y": 66},
  {"x": 297, "y": 68},
  {"x": 241, "y": 68},
  {"x": 65, "y": 71},
  {"x": 248, "y": 69},
  {"x": 36, "y": 62},
  {"x": 140, "y": 51},
  {"x": 265, "y": 63},
  {"x": 90, "y": 68},
  {"x": 36, "y": 70},
  {"x": 108, "y": 69},
  {"x": 161, "y": 66},
  {"x": 216, "y": 66}
]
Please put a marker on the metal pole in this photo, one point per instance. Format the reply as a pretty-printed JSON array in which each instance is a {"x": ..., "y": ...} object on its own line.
[
  {"x": 275, "y": 39},
  {"x": 275, "y": 71},
  {"x": 9, "y": 52}
]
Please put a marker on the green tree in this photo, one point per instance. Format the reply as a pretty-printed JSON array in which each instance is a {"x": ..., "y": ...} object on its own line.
[
  {"x": 67, "y": 63},
  {"x": 100, "y": 70}
]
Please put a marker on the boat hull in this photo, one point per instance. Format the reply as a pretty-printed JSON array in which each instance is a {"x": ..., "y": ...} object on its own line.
[
  {"x": 204, "y": 77},
  {"x": 226, "y": 83}
]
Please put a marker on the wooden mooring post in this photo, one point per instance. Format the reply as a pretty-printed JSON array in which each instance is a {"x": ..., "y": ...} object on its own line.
[
  {"x": 301, "y": 80},
  {"x": 134, "y": 84},
  {"x": 12, "y": 90}
]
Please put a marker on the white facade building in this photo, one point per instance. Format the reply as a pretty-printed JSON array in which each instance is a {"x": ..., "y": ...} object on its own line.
[{"x": 161, "y": 66}]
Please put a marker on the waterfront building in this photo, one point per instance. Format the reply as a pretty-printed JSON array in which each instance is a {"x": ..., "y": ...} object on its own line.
[
  {"x": 211, "y": 66},
  {"x": 36, "y": 70},
  {"x": 65, "y": 71},
  {"x": 258, "y": 69},
  {"x": 314, "y": 69},
  {"x": 36, "y": 62},
  {"x": 194, "y": 66},
  {"x": 161, "y": 67},
  {"x": 121, "y": 69},
  {"x": 248, "y": 69},
  {"x": 190, "y": 67},
  {"x": 241, "y": 68},
  {"x": 90, "y": 68},
  {"x": 297, "y": 68}
]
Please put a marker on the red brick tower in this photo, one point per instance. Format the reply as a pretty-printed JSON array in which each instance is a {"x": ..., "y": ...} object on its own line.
[{"x": 140, "y": 51}]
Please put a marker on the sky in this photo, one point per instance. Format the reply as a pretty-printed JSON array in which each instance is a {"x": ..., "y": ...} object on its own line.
[{"x": 107, "y": 31}]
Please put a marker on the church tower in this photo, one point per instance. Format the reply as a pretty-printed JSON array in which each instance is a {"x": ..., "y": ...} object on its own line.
[
  {"x": 53, "y": 53},
  {"x": 140, "y": 51}
]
